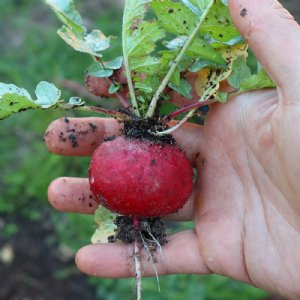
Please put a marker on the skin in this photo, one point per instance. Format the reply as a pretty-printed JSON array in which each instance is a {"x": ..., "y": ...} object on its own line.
[{"x": 246, "y": 202}]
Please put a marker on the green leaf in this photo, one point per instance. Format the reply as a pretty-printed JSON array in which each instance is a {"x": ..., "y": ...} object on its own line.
[
  {"x": 114, "y": 64},
  {"x": 106, "y": 226},
  {"x": 139, "y": 41},
  {"x": 260, "y": 80},
  {"x": 200, "y": 64},
  {"x": 13, "y": 89},
  {"x": 134, "y": 12},
  {"x": 175, "y": 78},
  {"x": 76, "y": 101},
  {"x": 97, "y": 70},
  {"x": 141, "y": 99},
  {"x": 14, "y": 99},
  {"x": 240, "y": 72},
  {"x": 222, "y": 97},
  {"x": 219, "y": 44},
  {"x": 166, "y": 108},
  {"x": 198, "y": 49},
  {"x": 174, "y": 17},
  {"x": 201, "y": 4},
  {"x": 105, "y": 69},
  {"x": 47, "y": 94},
  {"x": 133, "y": 15},
  {"x": 74, "y": 32},
  {"x": 65, "y": 11},
  {"x": 192, "y": 7},
  {"x": 13, "y": 103},
  {"x": 208, "y": 81},
  {"x": 114, "y": 88},
  {"x": 147, "y": 64},
  {"x": 184, "y": 88},
  {"x": 143, "y": 87},
  {"x": 91, "y": 43},
  {"x": 218, "y": 24},
  {"x": 143, "y": 39}
]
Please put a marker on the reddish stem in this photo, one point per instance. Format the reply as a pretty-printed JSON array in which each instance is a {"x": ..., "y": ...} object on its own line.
[
  {"x": 136, "y": 223},
  {"x": 106, "y": 111},
  {"x": 187, "y": 108},
  {"x": 97, "y": 109}
]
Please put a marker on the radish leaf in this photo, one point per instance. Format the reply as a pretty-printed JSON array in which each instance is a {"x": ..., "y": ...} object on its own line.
[
  {"x": 240, "y": 72},
  {"x": 91, "y": 43},
  {"x": 199, "y": 48},
  {"x": 148, "y": 65},
  {"x": 76, "y": 101},
  {"x": 184, "y": 88},
  {"x": 218, "y": 24},
  {"x": 105, "y": 69},
  {"x": 201, "y": 4},
  {"x": 143, "y": 39},
  {"x": 14, "y": 99},
  {"x": 74, "y": 32},
  {"x": 208, "y": 80},
  {"x": 47, "y": 94},
  {"x": 106, "y": 227},
  {"x": 175, "y": 17},
  {"x": 65, "y": 11},
  {"x": 260, "y": 80}
]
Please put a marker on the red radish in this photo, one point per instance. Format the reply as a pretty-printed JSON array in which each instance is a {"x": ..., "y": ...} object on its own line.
[
  {"x": 97, "y": 86},
  {"x": 140, "y": 178},
  {"x": 119, "y": 75},
  {"x": 100, "y": 87}
]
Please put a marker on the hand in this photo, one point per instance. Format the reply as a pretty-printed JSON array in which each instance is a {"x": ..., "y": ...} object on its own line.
[{"x": 246, "y": 202}]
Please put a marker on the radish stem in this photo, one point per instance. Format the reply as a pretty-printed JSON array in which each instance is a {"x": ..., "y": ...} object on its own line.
[
  {"x": 189, "y": 115},
  {"x": 174, "y": 128},
  {"x": 137, "y": 261},
  {"x": 187, "y": 108},
  {"x": 96, "y": 109},
  {"x": 127, "y": 69}
]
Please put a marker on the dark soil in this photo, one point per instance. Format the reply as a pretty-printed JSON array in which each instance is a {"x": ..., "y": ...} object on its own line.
[
  {"x": 151, "y": 232},
  {"x": 39, "y": 270},
  {"x": 141, "y": 128}
]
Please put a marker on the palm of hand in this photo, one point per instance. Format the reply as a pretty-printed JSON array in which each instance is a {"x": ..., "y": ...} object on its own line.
[{"x": 245, "y": 219}]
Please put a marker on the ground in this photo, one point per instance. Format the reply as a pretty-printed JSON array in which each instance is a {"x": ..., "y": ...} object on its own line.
[{"x": 27, "y": 273}]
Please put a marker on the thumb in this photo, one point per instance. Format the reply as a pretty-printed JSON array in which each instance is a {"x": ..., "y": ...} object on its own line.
[{"x": 274, "y": 37}]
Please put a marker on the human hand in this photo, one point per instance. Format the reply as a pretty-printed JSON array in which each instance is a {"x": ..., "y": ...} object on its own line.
[{"x": 245, "y": 204}]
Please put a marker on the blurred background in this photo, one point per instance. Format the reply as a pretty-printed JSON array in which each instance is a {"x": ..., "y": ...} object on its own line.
[{"x": 37, "y": 244}]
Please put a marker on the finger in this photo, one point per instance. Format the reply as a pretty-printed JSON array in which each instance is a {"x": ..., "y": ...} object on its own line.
[
  {"x": 79, "y": 136},
  {"x": 74, "y": 195},
  {"x": 180, "y": 255},
  {"x": 274, "y": 37}
]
